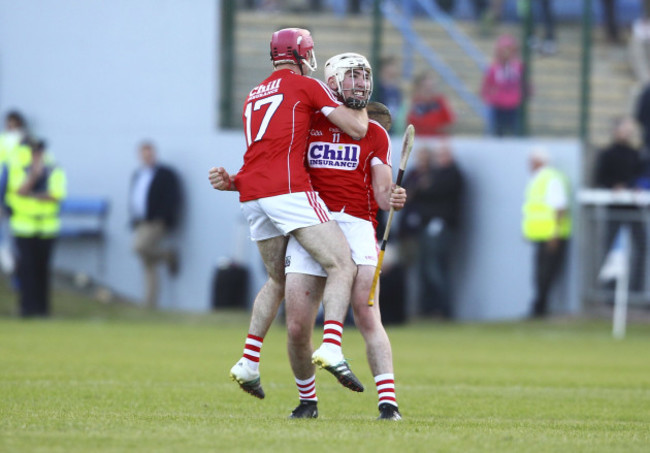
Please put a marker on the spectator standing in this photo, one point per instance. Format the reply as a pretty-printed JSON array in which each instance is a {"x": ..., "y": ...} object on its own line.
[
  {"x": 619, "y": 166},
  {"x": 155, "y": 207},
  {"x": 503, "y": 88},
  {"x": 429, "y": 112},
  {"x": 546, "y": 224},
  {"x": 610, "y": 20},
  {"x": 489, "y": 14},
  {"x": 410, "y": 219},
  {"x": 447, "y": 6},
  {"x": 642, "y": 115},
  {"x": 36, "y": 185},
  {"x": 639, "y": 46},
  {"x": 389, "y": 91},
  {"x": 15, "y": 130},
  {"x": 14, "y": 133},
  {"x": 435, "y": 192},
  {"x": 548, "y": 44}
]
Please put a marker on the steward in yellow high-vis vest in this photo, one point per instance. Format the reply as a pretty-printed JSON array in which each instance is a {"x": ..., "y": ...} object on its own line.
[
  {"x": 546, "y": 222},
  {"x": 541, "y": 221},
  {"x": 35, "y": 188}
]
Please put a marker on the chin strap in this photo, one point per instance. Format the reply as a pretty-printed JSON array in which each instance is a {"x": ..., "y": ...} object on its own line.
[
  {"x": 298, "y": 60},
  {"x": 356, "y": 104}
]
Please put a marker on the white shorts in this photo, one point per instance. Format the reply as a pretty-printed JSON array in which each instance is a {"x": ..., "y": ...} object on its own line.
[
  {"x": 279, "y": 215},
  {"x": 360, "y": 235}
]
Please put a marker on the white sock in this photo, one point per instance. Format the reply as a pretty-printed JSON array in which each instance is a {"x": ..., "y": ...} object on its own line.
[
  {"x": 252, "y": 351},
  {"x": 307, "y": 389},
  {"x": 332, "y": 335},
  {"x": 386, "y": 388}
]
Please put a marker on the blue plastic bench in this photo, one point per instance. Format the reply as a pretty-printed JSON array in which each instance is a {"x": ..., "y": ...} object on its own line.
[{"x": 85, "y": 219}]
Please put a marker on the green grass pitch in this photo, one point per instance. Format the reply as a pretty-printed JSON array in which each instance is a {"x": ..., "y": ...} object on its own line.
[{"x": 113, "y": 378}]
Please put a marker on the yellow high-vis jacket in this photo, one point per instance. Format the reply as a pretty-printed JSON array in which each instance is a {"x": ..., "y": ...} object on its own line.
[
  {"x": 32, "y": 216},
  {"x": 540, "y": 222}
]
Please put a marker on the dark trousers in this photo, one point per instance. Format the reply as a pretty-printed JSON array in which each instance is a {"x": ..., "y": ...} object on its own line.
[
  {"x": 548, "y": 263},
  {"x": 33, "y": 271},
  {"x": 434, "y": 258},
  {"x": 610, "y": 19},
  {"x": 480, "y": 6},
  {"x": 505, "y": 122},
  {"x": 548, "y": 18}
]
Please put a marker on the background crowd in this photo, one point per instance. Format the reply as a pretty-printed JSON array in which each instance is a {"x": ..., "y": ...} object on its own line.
[{"x": 436, "y": 183}]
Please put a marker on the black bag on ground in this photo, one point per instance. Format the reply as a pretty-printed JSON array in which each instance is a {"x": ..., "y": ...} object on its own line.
[{"x": 230, "y": 286}]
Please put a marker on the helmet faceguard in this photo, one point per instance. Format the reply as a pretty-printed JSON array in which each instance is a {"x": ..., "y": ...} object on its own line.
[
  {"x": 293, "y": 46},
  {"x": 355, "y": 66}
]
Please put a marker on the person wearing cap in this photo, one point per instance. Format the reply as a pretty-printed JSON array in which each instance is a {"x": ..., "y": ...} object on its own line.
[
  {"x": 546, "y": 223},
  {"x": 36, "y": 185}
]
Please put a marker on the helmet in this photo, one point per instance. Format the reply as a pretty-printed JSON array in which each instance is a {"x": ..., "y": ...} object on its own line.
[
  {"x": 293, "y": 45},
  {"x": 339, "y": 65}
]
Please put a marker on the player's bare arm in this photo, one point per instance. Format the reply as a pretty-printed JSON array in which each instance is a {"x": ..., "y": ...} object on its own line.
[
  {"x": 221, "y": 180},
  {"x": 387, "y": 194}
]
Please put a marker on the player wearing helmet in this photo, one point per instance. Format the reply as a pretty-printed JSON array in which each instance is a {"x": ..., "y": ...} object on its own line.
[
  {"x": 278, "y": 200},
  {"x": 354, "y": 179},
  {"x": 349, "y": 75}
]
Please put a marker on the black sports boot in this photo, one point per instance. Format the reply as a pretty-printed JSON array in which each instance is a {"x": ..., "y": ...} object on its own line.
[
  {"x": 388, "y": 412},
  {"x": 306, "y": 409}
]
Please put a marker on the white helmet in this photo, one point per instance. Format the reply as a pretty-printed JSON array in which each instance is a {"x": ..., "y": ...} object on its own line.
[{"x": 339, "y": 65}]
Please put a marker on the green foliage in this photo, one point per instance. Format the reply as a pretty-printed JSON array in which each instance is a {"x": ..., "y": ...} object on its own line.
[{"x": 114, "y": 378}]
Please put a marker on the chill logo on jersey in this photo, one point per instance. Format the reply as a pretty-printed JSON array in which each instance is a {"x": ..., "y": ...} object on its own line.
[
  {"x": 263, "y": 90},
  {"x": 340, "y": 156}
]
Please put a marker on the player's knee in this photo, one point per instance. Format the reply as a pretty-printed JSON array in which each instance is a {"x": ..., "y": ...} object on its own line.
[
  {"x": 366, "y": 324},
  {"x": 278, "y": 279},
  {"x": 298, "y": 332},
  {"x": 343, "y": 266}
]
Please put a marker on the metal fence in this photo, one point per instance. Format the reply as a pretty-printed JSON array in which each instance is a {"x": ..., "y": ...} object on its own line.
[{"x": 614, "y": 233}]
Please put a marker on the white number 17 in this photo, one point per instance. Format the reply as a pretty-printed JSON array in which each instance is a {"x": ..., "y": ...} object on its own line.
[{"x": 275, "y": 102}]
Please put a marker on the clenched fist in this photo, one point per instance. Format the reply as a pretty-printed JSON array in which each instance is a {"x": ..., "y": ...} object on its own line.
[{"x": 220, "y": 179}]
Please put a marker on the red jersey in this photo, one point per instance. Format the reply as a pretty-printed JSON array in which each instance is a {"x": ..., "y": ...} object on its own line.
[
  {"x": 340, "y": 167},
  {"x": 430, "y": 117},
  {"x": 277, "y": 115}
]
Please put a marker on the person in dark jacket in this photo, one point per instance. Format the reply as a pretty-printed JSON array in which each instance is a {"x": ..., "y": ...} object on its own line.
[
  {"x": 431, "y": 217},
  {"x": 155, "y": 206},
  {"x": 620, "y": 166}
]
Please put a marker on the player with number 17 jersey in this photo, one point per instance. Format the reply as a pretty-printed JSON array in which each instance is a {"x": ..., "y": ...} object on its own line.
[
  {"x": 340, "y": 167},
  {"x": 277, "y": 116}
]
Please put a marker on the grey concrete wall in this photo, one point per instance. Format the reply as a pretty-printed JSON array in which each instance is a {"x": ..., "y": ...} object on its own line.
[
  {"x": 96, "y": 77},
  {"x": 493, "y": 264}
]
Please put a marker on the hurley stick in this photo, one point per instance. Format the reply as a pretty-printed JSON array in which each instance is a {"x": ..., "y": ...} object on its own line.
[{"x": 407, "y": 145}]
